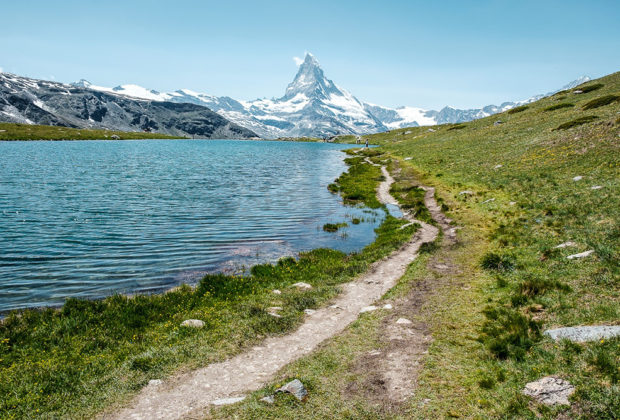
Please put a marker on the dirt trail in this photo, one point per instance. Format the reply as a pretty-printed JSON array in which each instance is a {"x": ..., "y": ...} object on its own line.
[{"x": 189, "y": 395}]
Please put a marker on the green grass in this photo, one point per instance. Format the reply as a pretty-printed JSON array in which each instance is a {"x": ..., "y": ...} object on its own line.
[
  {"x": 89, "y": 355},
  {"x": 334, "y": 227},
  {"x": 10, "y": 131},
  {"x": 522, "y": 284}
]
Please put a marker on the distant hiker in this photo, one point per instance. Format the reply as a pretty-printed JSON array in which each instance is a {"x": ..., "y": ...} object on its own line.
[{"x": 366, "y": 142}]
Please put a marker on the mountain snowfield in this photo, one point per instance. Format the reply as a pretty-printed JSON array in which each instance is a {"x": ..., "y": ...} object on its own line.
[{"x": 312, "y": 105}]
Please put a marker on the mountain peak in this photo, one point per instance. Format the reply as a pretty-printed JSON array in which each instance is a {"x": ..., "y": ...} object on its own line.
[
  {"x": 310, "y": 81},
  {"x": 83, "y": 83}
]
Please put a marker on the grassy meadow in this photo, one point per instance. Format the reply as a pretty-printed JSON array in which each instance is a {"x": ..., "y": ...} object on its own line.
[{"x": 12, "y": 131}]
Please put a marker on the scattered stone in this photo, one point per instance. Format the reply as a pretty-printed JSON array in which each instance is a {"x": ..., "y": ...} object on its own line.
[
  {"x": 374, "y": 352},
  {"x": 276, "y": 292},
  {"x": 335, "y": 307},
  {"x": 273, "y": 311},
  {"x": 550, "y": 390},
  {"x": 269, "y": 399},
  {"x": 403, "y": 321},
  {"x": 596, "y": 187},
  {"x": 309, "y": 311},
  {"x": 193, "y": 323},
  {"x": 408, "y": 132},
  {"x": 498, "y": 122},
  {"x": 295, "y": 388},
  {"x": 577, "y": 92},
  {"x": 113, "y": 137},
  {"x": 498, "y": 166},
  {"x": 566, "y": 244},
  {"x": 368, "y": 309},
  {"x": 584, "y": 333},
  {"x": 155, "y": 382},
  {"x": 581, "y": 255},
  {"x": 228, "y": 401},
  {"x": 512, "y": 203},
  {"x": 302, "y": 286},
  {"x": 430, "y": 130},
  {"x": 387, "y": 306},
  {"x": 466, "y": 192},
  {"x": 408, "y": 158},
  {"x": 488, "y": 201},
  {"x": 577, "y": 178}
]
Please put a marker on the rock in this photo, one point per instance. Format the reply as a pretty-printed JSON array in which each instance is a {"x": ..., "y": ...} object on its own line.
[
  {"x": 276, "y": 292},
  {"x": 488, "y": 201},
  {"x": 581, "y": 255},
  {"x": 596, "y": 187},
  {"x": 273, "y": 311},
  {"x": 498, "y": 122},
  {"x": 577, "y": 178},
  {"x": 155, "y": 382},
  {"x": 550, "y": 390},
  {"x": 408, "y": 158},
  {"x": 387, "y": 306},
  {"x": 584, "y": 333},
  {"x": 228, "y": 401},
  {"x": 408, "y": 132},
  {"x": 565, "y": 244},
  {"x": 498, "y": 166},
  {"x": 577, "y": 92},
  {"x": 269, "y": 399},
  {"x": 309, "y": 311},
  {"x": 368, "y": 309},
  {"x": 466, "y": 192},
  {"x": 430, "y": 130},
  {"x": 193, "y": 323},
  {"x": 295, "y": 388},
  {"x": 302, "y": 286},
  {"x": 403, "y": 321}
]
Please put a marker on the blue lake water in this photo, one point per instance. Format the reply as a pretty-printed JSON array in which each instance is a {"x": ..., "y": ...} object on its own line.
[{"x": 92, "y": 218}]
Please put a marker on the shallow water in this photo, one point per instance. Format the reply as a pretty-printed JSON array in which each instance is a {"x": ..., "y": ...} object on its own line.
[{"x": 92, "y": 218}]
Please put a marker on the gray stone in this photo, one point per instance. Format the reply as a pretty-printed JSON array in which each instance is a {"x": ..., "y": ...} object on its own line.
[
  {"x": 193, "y": 323},
  {"x": 269, "y": 399},
  {"x": 115, "y": 137},
  {"x": 498, "y": 122},
  {"x": 155, "y": 382},
  {"x": 577, "y": 178},
  {"x": 404, "y": 321},
  {"x": 295, "y": 388},
  {"x": 273, "y": 311},
  {"x": 565, "y": 244},
  {"x": 577, "y": 91},
  {"x": 584, "y": 333},
  {"x": 550, "y": 390},
  {"x": 302, "y": 286},
  {"x": 488, "y": 201},
  {"x": 228, "y": 401},
  {"x": 596, "y": 187},
  {"x": 466, "y": 192},
  {"x": 387, "y": 306},
  {"x": 581, "y": 255}
]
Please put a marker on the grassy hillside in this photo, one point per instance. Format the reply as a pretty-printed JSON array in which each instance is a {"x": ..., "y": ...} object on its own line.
[
  {"x": 10, "y": 131},
  {"x": 508, "y": 182}
]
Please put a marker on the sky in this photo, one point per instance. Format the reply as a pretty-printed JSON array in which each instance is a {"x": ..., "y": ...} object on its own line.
[{"x": 391, "y": 52}]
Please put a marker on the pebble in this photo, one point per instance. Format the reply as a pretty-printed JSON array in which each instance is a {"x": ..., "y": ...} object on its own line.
[
  {"x": 408, "y": 158},
  {"x": 550, "y": 390},
  {"x": 578, "y": 178},
  {"x": 466, "y": 192},
  {"x": 581, "y": 255},
  {"x": 387, "y": 306},
  {"x": 596, "y": 187},
  {"x": 155, "y": 382},
  {"x": 404, "y": 321},
  {"x": 368, "y": 309},
  {"x": 193, "y": 323},
  {"x": 302, "y": 286},
  {"x": 498, "y": 166},
  {"x": 566, "y": 244},
  {"x": 584, "y": 333},
  {"x": 276, "y": 292},
  {"x": 488, "y": 201}
]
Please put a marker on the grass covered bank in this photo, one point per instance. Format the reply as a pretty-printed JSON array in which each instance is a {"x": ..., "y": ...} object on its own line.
[
  {"x": 12, "y": 131},
  {"x": 79, "y": 360}
]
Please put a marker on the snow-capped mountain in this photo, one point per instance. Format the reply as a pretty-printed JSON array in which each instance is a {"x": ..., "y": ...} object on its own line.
[
  {"x": 82, "y": 105},
  {"x": 313, "y": 105}
]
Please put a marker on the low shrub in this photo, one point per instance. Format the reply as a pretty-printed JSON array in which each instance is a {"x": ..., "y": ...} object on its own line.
[
  {"x": 576, "y": 122},
  {"x": 590, "y": 88},
  {"x": 601, "y": 101},
  {"x": 457, "y": 127},
  {"x": 518, "y": 109},
  {"x": 558, "y": 106}
]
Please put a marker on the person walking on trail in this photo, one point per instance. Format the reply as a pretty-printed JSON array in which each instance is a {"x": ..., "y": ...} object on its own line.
[{"x": 366, "y": 142}]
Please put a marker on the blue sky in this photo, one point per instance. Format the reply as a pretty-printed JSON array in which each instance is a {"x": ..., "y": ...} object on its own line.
[{"x": 417, "y": 53}]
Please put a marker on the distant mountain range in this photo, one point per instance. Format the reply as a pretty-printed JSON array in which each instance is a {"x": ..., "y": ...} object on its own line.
[
  {"x": 31, "y": 101},
  {"x": 312, "y": 105}
]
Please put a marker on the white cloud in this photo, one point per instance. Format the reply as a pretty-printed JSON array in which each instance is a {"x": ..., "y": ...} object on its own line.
[{"x": 298, "y": 61}]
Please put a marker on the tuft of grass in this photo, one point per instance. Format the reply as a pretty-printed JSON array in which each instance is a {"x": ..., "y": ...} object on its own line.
[
  {"x": 576, "y": 122},
  {"x": 333, "y": 227},
  {"x": 601, "y": 101},
  {"x": 518, "y": 109},
  {"x": 497, "y": 262},
  {"x": 509, "y": 333},
  {"x": 558, "y": 106},
  {"x": 589, "y": 88}
]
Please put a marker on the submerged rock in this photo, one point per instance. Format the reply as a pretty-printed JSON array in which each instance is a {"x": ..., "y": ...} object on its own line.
[
  {"x": 550, "y": 390},
  {"x": 295, "y": 388},
  {"x": 193, "y": 323},
  {"x": 584, "y": 333}
]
